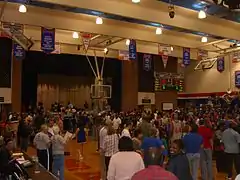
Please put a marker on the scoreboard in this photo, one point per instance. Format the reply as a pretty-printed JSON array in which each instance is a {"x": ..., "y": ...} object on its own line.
[{"x": 169, "y": 82}]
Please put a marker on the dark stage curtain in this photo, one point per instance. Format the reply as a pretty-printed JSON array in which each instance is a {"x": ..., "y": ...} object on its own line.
[
  {"x": 70, "y": 65},
  {"x": 5, "y": 62},
  {"x": 145, "y": 74}
]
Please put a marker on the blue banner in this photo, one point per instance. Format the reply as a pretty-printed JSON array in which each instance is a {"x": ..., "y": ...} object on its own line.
[
  {"x": 48, "y": 40},
  {"x": 237, "y": 79},
  {"x": 132, "y": 50},
  {"x": 186, "y": 56},
  {"x": 18, "y": 51},
  {"x": 147, "y": 62},
  {"x": 220, "y": 64}
]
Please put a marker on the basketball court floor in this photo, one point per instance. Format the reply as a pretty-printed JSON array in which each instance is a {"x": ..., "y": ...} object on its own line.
[{"x": 89, "y": 168}]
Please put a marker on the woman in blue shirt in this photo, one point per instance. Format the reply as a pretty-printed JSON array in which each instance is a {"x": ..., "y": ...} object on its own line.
[
  {"x": 150, "y": 145},
  {"x": 192, "y": 143}
]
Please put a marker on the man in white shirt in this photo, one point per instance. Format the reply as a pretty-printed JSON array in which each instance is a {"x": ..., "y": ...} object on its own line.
[
  {"x": 116, "y": 122},
  {"x": 126, "y": 130},
  {"x": 238, "y": 177},
  {"x": 102, "y": 135}
]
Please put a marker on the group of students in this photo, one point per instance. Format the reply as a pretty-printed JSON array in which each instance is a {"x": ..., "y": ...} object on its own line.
[{"x": 182, "y": 148}]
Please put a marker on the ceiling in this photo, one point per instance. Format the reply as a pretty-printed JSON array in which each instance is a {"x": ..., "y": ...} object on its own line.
[
  {"x": 210, "y": 7},
  {"x": 127, "y": 21}
]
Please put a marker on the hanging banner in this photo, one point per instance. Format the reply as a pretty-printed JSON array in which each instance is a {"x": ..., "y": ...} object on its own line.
[
  {"x": 147, "y": 62},
  {"x": 164, "y": 51},
  {"x": 18, "y": 51},
  {"x": 86, "y": 39},
  {"x": 186, "y": 56},
  {"x": 132, "y": 50},
  {"x": 237, "y": 79},
  {"x": 202, "y": 54},
  {"x": 236, "y": 57},
  {"x": 220, "y": 64},
  {"x": 48, "y": 40},
  {"x": 123, "y": 55}
]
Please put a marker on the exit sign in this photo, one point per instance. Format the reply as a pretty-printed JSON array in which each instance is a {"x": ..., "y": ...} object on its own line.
[{"x": 1, "y": 99}]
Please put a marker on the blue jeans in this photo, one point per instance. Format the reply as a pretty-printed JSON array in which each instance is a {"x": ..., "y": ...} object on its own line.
[
  {"x": 58, "y": 166},
  {"x": 206, "y": 164},
  {"x": 194, "y": 159}
]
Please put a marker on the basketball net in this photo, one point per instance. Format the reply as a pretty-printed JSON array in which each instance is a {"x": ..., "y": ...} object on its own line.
[{"x": 86, "y": 40}]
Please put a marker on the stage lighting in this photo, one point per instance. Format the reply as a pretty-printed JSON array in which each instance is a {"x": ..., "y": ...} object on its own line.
[
  {"x": 202, "y": 14},
  {"x": 75, "y": 35},
  {"x": 204, "y": 39},
  {"x": 105, "y": 50},
  {"x": 99, "y": 20},
  {"x": 159, "y": 31},
  {"x": 127, "y": 42},
  {"x": 22, "y": 8},
  {"x": 136, "y": 1}
]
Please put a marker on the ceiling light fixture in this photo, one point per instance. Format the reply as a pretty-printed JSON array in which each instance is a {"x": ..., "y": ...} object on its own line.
[
  {"x": 127, "y": 42},
  {"x": 22, "y": 8},
  {"x": 159, "y": 31},
  {"x": 105, "y": 50},
  {"x": 202, "y": 14},
  {"x": 136, "y": 1},
  {"x": 99, "y": 20},
  {"x": 204, "y": 39},
  {"x": 75, "y": 35}
]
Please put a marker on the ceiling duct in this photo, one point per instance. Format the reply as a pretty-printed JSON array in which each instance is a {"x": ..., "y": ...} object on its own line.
[{"x": 206, "y": 64}]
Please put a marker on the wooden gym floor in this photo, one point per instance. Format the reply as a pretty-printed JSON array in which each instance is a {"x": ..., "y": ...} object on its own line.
[{"x": 89, "y": 168}]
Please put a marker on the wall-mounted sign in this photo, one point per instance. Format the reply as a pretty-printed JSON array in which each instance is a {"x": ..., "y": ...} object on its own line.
[
  {"x": 123, "y": 55},
  {"x": 145, "y": 98},
  {"x": 132, "y": 50},
  {"x": 48, "y": 40},
  {"x": 220, "y": 64},
  {"x": 237, "y": 79},
  {"x": 186, "y": 56},
  {"x": 147, "y": 62}
]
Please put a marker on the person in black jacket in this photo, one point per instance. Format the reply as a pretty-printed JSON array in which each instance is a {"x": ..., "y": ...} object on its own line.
[
  {"x": 24, "y": 133},
  {"x": 178, "y": 163}
]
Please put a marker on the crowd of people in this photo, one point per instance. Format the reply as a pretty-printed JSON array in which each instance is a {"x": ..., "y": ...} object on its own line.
[{"x": 172, "y": 145}]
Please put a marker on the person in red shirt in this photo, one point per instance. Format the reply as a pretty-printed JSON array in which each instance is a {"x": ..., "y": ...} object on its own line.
[
  {"x": 154, "y": 170},
  {"x": 206, "y": 152}
]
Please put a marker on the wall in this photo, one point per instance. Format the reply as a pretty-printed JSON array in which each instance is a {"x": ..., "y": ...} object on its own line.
[
  {"x": 129, "y": 85},
  {"x": 211, "y": 80}
]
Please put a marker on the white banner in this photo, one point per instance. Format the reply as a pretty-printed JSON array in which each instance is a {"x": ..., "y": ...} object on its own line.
[
  {"x": 164, "y": 60},
  {"x": 164, "y": 51},
  {"x": 123, "y": 55},
  {"x": 236, "y": 57},
  {"x": 86, "y": 39}
]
